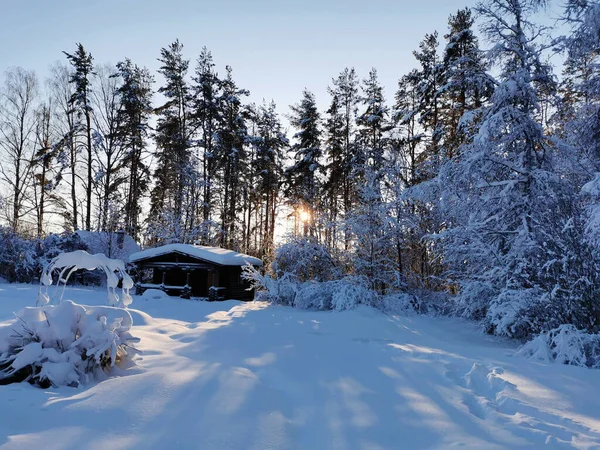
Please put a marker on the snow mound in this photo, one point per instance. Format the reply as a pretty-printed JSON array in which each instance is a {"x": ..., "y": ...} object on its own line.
[
  {"x": 565, "y": 345},
  {"x": 64, "y": 345},
  {"x": 154, "y": 294}
]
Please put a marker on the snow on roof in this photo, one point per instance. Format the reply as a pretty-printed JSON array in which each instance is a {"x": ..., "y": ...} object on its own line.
[{"x": 215, "y": 255}]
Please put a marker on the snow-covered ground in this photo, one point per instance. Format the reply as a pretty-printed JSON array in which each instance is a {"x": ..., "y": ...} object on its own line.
[{"x": 235, "y": 375}]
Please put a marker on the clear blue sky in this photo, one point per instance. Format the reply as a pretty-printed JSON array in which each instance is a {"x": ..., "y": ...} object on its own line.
[{"x": 276, "y": 48}]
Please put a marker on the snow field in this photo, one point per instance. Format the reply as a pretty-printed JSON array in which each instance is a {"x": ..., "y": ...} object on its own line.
[{"x": 234, "y": 375}]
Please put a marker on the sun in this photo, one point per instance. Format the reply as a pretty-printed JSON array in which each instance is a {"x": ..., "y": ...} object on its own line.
[{"x": 304, "y": 215}]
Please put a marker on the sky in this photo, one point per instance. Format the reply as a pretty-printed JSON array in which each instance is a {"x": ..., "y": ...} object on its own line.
[{"x": 276, "y": 48}]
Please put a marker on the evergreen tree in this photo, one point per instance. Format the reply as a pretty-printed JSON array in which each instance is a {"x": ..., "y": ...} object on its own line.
[
  {"x": 81, "y": 78},
  {"x": 407, "y": 142},
  {"x": 232, "y": 157},
  {"x": 431, "y": 79},
  {"x": 467, "y": 85},
  {"x": 369, "y": 225},
  {"x": 135, "y": 94},
  {"x": 345, "y": 88},
  {"x": 334, "y": 168},
  {"x": 270, "y": 144},
  {"x": 503, "y": 195},
  {"x": 206, "y": 118},
  {"x": 303, "y": 183},
  {"x": 372, "y": 123},
  {"x": 172, "y": 138}
]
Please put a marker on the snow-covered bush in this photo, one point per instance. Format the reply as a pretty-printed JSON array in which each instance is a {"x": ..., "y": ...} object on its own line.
[
  {"x": 401, "y": 303},
  {"x": 64, "y": 345},
  {"x": 18, "y": 257},
  {"x": 306, "y": 259},
  {"x": 320, "y": 295},
  {"x": 281, "y": 290},
  {"x": 566, "y": 345},
  {"x": 516, "y": 313},
  {"x": 22, "y": 259},
  {"x": 337, "y": 295},
  {"x": 474, "y": 299}
]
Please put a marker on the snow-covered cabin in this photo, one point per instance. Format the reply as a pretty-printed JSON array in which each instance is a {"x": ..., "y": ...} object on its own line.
[{"x": 193, "y": 271}]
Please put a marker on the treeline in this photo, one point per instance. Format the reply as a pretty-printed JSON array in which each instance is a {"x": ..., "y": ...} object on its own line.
[{"x": 482, "y": 186}]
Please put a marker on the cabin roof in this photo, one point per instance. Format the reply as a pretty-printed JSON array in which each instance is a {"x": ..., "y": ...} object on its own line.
[{"x": 215, "y": 255}]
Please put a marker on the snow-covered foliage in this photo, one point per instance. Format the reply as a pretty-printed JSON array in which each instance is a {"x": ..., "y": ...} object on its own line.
[
  {"x": 68, "y": 263},
  {"x": 115, "y": 245},
  {"x": 511, "y": 236},
  {"x": 338, "y": 295},
  {"x": 566, "y": 345},
  {"x": 64, "y": 345},
  {"x": 22, "y": 259},
  {"x": 401, "y": 303},
  {"x": 306, "y": 259}
]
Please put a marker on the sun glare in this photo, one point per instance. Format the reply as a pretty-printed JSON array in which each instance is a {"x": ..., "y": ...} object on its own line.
[{"x": 304, "y": 215}]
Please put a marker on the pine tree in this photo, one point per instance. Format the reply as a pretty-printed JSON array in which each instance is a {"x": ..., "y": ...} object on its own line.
[
  {"x": 135, "y": 94},
  {"x": 206, "y": 117},
  {"x": 81, "y": 78},
  {"x": 503, "y": 196},
  {"x": 345, "y": 88},
  {"x": 232, "y": 158},
  {"x": 270, "y": 144},
  {"x": 172, "y": 138},
  {"x": 467, "y": 85},
  {"x": 372, "y": 123},
  {"x": 431, "y": 79},
  {"x": 369, "y": 224},
  {"x": 406, "y": 110},
  {"x": 302, "y": 179},
  {"x": 334, "y": 166}
]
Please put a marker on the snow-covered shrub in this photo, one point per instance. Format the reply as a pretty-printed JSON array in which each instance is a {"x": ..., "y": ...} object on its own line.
[
  {"x": 349, "y": 292},
  {"x": 155, "y": 294},
  {"x": 401, "y": 303},
  {"x": 474, "y": 299},
  {"x": 18, "y": 257},
  {"x": 313, "y": 295},
  {"x": 516, "y": 313},
  {"x": 22, "y": 259},
  {"x": 281, "y": 290},
  {"x": 320, "y": 295},
  {"x": 565, "y": 345},
  {"x": 306, "y": 259},
  {"x": 64, "y": 345}
]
